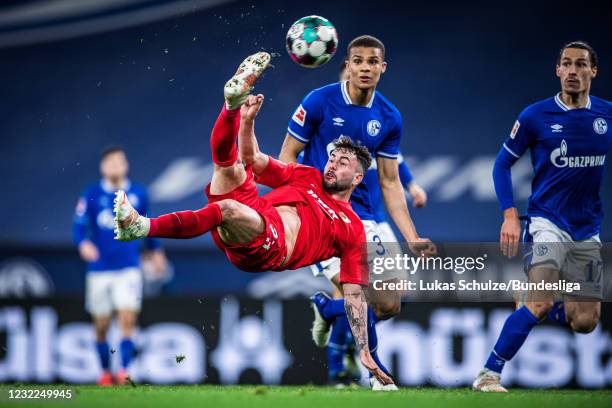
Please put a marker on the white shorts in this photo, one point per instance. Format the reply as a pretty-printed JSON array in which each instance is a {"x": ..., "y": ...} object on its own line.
[
  {"x": 577, "y": 261},
  {"x": 381, "y": 242},
  {"x": 107, "y": 291}
]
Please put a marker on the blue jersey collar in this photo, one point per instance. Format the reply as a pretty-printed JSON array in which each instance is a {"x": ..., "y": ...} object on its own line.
[
  {"x": 347, "y": 98},
  {"x": 564, "y": 107}
]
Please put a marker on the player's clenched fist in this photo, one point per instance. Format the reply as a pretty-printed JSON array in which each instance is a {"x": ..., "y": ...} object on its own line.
[{"x": 251, "y": 107}]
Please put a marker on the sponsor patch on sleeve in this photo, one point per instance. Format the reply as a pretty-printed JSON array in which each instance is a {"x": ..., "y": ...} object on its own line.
[
  {"x": 300, "y": 115},
  {"x": 515, "y": 129}
]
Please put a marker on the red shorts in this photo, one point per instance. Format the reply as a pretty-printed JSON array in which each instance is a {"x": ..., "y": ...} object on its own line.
[{"x": 267, "y": 250}]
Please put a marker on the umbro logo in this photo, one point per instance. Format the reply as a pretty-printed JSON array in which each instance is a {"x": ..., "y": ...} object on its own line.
[
  {"x": 338, "y": 121},
  {"x": 556, "y": 128}
]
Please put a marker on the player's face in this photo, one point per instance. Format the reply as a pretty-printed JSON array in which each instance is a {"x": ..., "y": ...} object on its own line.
[
  {"x": 365, "y": 65},
  {"x": 341, "y": 172},
  {"x": 114, "y": 166},
  {"x": 575, "y": 71}
]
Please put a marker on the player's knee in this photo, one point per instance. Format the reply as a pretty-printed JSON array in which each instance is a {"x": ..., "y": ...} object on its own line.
[
  {"x": 230, "y": 209},
  {"x": 101, "y": 325},
  {"x": 247, "y": 158},
  {"x": 100, "y": 334},
  {"x": 584, "y": 322},
  {"x": 386, "y": 310},
  {"x": 540, "y": 309}
]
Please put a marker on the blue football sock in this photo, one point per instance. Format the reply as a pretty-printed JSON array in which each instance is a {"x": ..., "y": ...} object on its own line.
[
  {"x": 557, "y": 314},
  {"x": 373, "y": 340},
  {"x": 372, "y": 335},
  {"x": 127, "y": 352},
  {"x": 372, "y": 315},
  {"x": 336, "y": 348},
  {"x": 104, "y": 354},
  {"x": 513, "y": 335},
  {"x": 333, "y": 309},
  {"x": 380, "y": 364}
]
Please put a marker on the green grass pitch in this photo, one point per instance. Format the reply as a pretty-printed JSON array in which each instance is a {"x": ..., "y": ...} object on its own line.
[{"x": 153, "y": 396}]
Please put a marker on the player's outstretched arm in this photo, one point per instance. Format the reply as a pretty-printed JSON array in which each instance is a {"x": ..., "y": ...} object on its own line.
[
  {"x": 357, "y": 313},
  {"x": 395, "y": 201},
  {"x": 418, "y": 194},
  {"x": 291, "y": 149},
  {"x": 247, "y": 142}
]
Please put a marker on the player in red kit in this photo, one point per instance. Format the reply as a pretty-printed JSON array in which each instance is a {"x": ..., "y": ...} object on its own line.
[{"x": 305, "y": 219}]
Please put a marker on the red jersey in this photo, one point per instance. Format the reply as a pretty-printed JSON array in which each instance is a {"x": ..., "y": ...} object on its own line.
[{"x": 329, "y": 227}]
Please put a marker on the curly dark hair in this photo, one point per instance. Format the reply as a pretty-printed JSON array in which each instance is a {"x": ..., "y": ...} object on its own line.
[{"x": 359, "y": 150}]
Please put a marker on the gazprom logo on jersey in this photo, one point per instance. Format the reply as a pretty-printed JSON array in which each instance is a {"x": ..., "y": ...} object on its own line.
[{"x": 559, "y": 158}]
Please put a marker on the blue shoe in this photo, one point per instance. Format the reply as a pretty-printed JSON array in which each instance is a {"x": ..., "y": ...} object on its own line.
[{"x": 321, "y": 328}]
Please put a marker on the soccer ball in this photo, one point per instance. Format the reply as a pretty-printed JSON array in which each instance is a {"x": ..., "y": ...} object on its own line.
[{"x": 312, "y": 41}]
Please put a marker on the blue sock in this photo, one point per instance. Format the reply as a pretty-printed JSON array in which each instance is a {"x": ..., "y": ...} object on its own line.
[
  {"x": 557, "y": 314},
  {"x": 380, "y": 364},
  {"x": 127, "y": 351},
  {"x": 104, "y": 354},
  {"x": 333, "y": 309},
  {"x": 373, "y": 340},
  {"x": 372, "y": 315},
  {"x": 513, "y": 335},
  {"x": 336, "y": 348}
]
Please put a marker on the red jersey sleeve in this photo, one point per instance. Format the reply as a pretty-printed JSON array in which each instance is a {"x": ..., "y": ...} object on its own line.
[
  {"x": 276, "y": 173},
  {"x": 354, "y": 258}
]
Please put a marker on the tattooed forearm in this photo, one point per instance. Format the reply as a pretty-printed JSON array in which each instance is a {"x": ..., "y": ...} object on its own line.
[{"x": 357, "y": 314}]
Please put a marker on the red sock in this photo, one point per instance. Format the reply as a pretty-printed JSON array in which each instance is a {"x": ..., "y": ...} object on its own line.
[
  {"x": 186, "y": 224},
  {"x": 223, "y": 138}
]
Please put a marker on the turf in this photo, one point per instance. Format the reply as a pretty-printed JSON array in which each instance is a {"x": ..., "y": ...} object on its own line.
[{"x": 305, "y": 396}]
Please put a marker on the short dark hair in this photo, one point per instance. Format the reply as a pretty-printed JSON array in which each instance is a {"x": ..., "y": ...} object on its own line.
[
  {"x": 111, "y": 150},
  {"x": 366, "y": 41},
  {"x": 583, "y": 45},
  {"x": 359, "y": 150}
]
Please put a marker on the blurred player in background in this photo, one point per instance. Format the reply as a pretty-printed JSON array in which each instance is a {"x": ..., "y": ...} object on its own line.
[
  {"x": 354, "y": 108},
  {"x": 307, "y": 216},
  {"x": 341, "y": 367},
  {"x": 114, "y": 278},
  {"x": 569, "y": 138}
]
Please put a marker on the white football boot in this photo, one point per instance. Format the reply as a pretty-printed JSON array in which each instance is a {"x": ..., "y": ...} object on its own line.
[
  {"x": 129, "y": 225},
  {"x": 488, "y": 381},
  {"x": 237, "y": 89},
  {"x": 321, "y": 328}
]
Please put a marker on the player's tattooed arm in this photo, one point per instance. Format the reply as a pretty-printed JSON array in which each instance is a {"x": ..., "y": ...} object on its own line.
[{"x": 357, "y": 314}]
